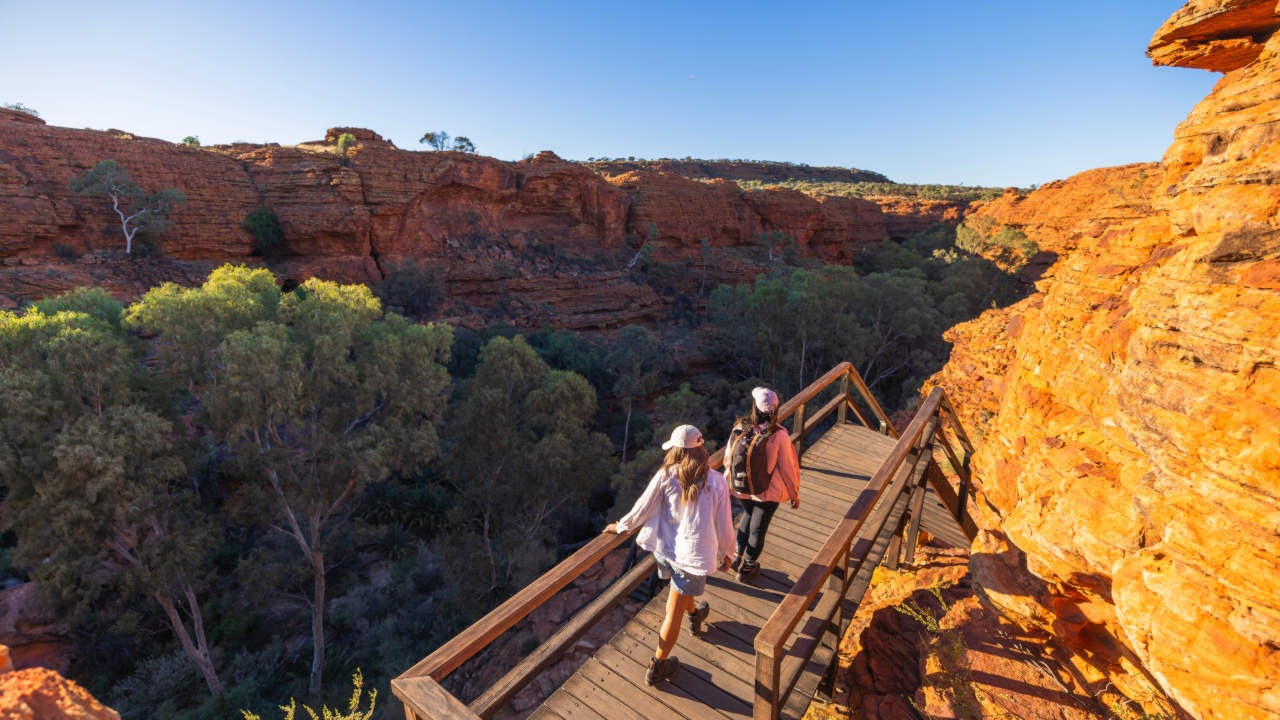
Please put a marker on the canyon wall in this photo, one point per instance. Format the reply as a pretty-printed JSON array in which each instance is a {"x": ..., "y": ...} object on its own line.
[
  {"x": 538, "y": 241},
  {"x": 1129, "y": 412}
]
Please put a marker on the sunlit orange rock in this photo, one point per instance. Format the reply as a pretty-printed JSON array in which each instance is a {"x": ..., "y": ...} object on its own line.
[
  {"x": 43, "y": 694},
  {"x": 1059, "y": 215},
  {"x": 907, "y": 216},
  {"x": 1221, "y": 35},
  {"x": 1130, "y": 475}
]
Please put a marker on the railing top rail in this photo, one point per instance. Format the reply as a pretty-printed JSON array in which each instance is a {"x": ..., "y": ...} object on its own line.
[
  {"x": 865, "y": 392},
  {"x": 954, "y": 419},
  {"x": 462, "y": 646},
  {"x": 795, "y": 401},
  {"x": 773, "y": 635}
]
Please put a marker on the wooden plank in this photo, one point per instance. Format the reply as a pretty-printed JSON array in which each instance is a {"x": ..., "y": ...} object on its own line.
[
  {"x": 610, "y": 695},
  {"x": 550, "y": 651},
  {"x": 571, "y": 708},
  {"x": 688, "y": 694},
  {"x": 426, "y": 699},
  {"x": 467, "y": 643},
  {"x": 542, "y": 712},
  {"x": 726, "y": 672}
]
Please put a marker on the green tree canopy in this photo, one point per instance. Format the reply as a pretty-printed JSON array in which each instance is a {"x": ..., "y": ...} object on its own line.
[
  {"x": 521, "y": 449},
  {"x": 639, "y": 361},
  {"x": 315, "y": 393},
  {"x": 95, "y": 491}
]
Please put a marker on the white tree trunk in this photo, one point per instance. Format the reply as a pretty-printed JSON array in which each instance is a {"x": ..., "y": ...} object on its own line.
[
  {"x": 197, "y": 651},
  {"x": 626, "y": 433}
]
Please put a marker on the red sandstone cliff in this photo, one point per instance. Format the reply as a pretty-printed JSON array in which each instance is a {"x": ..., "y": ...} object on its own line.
[
  {"x": 540, "y": 240},
  {"x": 1130, "y": 412}
]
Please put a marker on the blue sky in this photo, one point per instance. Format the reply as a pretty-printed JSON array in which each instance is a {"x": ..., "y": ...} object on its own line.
[{"x": 998, "y": 93}]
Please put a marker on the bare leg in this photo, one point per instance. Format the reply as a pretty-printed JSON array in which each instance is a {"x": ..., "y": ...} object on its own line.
[{"x": 678, "y": 604}]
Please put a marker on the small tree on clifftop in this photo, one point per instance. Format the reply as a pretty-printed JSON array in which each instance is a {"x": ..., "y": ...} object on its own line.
[
  {"x": 137, "y": 210},
  {"x": 19, "y": 107},
  {"x": 441, "y": 140}
]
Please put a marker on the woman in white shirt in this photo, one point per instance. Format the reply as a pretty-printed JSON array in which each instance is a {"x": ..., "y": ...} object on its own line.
[{"x": 686, "y": 521}]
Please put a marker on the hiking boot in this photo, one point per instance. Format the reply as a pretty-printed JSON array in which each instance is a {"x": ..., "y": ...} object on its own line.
[
  {"x": 698, "y": 616},
  {"x": 660, "y": 670},
  {"x": 748, "y": 571}
]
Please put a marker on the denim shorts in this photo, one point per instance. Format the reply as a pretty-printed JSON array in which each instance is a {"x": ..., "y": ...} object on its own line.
[{"x": 687, "y": 583}]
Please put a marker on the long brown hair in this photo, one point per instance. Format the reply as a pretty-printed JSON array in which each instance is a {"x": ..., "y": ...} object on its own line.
[
  {"x": 759, "y": 417},
  {"x": 691, "y": 470}
]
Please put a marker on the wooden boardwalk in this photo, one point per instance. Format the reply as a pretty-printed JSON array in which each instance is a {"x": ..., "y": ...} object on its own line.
[{"x": 718, "y": 669}]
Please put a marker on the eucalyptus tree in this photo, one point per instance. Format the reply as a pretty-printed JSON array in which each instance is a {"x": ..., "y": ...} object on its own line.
[
  {"x": 96, "y": 481},
  {"x": 521, "y": 449},
  {"x": 639, "y": 360},
  {"x": 136, "y": 209},
  {"x": 314, "y": 393}
]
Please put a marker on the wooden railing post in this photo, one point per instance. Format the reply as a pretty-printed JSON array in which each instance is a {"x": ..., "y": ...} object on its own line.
[
  {"x": 915, "y": 508},
  {"x": 884, "y": 428},
  {"x": 798, "y": 429},
  {"x": 766, "y": 706},
  {"x": 846, "y": 398}
]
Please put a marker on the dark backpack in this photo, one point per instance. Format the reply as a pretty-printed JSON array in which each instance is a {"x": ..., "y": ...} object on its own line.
[{"x": 748, "y": 463}]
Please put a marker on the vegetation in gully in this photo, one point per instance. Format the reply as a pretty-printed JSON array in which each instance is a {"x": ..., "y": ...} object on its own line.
[{"x": 239, "y": 494}]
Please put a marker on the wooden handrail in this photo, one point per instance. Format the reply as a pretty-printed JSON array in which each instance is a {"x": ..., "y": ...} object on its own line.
[
  {"x": 774, "y": 633},
  {"x": 815, "y": 387},
  {"x": 871, "y": 401},
  {"x": 458, "y": 650},
  {"x": 548, "y": 652},
  {"x": 954, "y": 419}
]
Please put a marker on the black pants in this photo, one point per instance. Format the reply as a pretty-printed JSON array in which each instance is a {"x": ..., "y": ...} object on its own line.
[{"x": 752, "y": 526}]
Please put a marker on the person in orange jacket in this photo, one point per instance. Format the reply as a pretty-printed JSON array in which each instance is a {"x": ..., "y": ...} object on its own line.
[{"x": 784, "y": 481}]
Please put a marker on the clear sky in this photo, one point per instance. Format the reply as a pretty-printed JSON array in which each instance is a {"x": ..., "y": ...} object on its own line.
[{"x": 979, "y": 92}]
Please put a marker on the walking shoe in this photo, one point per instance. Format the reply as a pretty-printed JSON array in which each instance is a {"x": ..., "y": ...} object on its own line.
[
  {"x": 698, "y": 616},
  {"x": 660, "y": 670},
  {"x": 748, "y": 571}
]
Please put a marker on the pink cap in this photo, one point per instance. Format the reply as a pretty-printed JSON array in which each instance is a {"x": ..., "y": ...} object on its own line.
[{"x": 766, "y": 399}]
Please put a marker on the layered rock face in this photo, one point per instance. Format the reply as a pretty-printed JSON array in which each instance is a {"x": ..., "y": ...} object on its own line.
[
  {"x": 1129, "y": 465},
  {"x": 906, "y": 216},
  {"x": 1060, "y": 215},
  {"x": 542, "y": 240}
]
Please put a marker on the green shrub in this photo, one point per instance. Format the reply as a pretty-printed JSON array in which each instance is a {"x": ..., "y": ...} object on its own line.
[
  {"x": 19, "y": 107},
  {"x": 92, "y": 301},
  {"x": 191, "y": 141},
  {"x": 268, "y": 238},
  {"x": 345, "y": 142}
]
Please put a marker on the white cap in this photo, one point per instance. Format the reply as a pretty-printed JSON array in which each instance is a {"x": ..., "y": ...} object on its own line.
[
  {"x": 766, "y": 399},
  {"x": 685, "y": 436}
]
